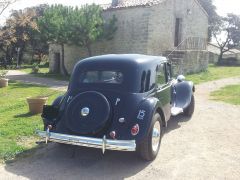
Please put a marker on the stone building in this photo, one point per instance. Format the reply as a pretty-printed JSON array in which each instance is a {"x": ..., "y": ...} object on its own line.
[{"x": 154, "y": 27}]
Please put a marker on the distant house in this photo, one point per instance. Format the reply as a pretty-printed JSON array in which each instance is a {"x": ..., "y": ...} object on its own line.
[
  {"x": 155, "y": 27},
  {"x": 231, "y": 57}
]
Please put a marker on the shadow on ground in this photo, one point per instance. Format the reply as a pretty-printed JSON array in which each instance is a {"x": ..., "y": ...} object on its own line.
[
  {"x": 175, "y": 121},
  {"x": 57, "y": 161},
  {"x": 24, "y": 115}
]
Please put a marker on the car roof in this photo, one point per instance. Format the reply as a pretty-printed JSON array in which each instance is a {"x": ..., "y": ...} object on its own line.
[
  {"x": 131, "y": 65},
  {"x": 120, "y": 59}
]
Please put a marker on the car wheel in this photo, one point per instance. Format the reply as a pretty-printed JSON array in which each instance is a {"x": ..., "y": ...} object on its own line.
[
  {"x": 190, "y": 109},
  {"x": 150, "y": 145}
]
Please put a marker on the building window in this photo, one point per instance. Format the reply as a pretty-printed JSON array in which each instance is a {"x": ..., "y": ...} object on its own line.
[
  {"x": 168, "y": 72},
  {"x": 178, "y": 29}
]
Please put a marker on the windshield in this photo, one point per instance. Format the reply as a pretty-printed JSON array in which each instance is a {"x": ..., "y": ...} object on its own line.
[{"x": 112, "y": 77}]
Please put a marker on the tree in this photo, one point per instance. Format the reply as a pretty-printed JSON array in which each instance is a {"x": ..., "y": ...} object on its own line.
[
  {"x": 227, "y": 33},
  {"x": 4, "y": 4},
  {"x": 86, "y": 26},
  {"x": 19, "y": 25},
  {"x": 37, "y": 41},
  {"x": 20, "y": 32},
  {"x": 80, "y": 26},
  {"x": 213, "y": 17},
  {"x": 53, "y": 26}
]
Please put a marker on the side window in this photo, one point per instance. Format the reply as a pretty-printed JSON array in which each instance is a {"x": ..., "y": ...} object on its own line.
[
  {"x": 168, "y": 72},
  {"x": 143, "y": 81},
  {"x": 160, "y": 75},
  {"x": 147, "y": 86}
]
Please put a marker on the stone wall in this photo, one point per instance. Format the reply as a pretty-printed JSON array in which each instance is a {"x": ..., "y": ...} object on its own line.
[
  {"x": 213, "y": 58},
  {"x": 191, "y": 62},
  {"x": 162, "y": 24},
  {"x": 144, "y": 30},
  {"x": 132, "y": 32}
]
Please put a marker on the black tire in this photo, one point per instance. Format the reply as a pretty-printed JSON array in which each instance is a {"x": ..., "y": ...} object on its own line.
[
  {"x": 145, "y": 149},
  {"x": 190, "y": 109}
]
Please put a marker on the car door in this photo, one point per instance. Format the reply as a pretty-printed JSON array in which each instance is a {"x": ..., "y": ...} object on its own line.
[{"x": 163, "y": 82}]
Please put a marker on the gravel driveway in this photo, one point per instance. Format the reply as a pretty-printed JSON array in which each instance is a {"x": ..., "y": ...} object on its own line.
[
  {"x": 29, "y": 78},
  {"x": 207, "y": 146}
]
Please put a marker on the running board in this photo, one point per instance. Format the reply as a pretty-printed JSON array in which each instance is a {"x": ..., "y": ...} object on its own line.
[{"x": 176, "y": 111}]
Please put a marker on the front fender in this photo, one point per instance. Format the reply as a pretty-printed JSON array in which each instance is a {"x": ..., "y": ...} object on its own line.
[{"x": 183, "y": 92}]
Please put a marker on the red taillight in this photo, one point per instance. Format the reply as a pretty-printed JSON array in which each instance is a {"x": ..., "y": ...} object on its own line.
[
  {"x": 135, "y": 130},
  {"x": 113, "y": 134}
]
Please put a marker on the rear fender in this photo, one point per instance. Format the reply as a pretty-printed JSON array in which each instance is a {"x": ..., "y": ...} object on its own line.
[
  {"x": 145, "y": 114},
  {"x": 51, "y": 113},
  {"x": 182, "y": 94},
  {"x": 58, "y": 101}
]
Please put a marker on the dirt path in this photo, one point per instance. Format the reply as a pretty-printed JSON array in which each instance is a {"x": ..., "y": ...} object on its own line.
[
  {"x": 28, "y": 78},
  {"x": 207, "y": 146}
]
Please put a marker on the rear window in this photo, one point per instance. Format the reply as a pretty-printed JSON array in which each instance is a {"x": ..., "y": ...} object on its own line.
[{"x": 112, "y": 77}]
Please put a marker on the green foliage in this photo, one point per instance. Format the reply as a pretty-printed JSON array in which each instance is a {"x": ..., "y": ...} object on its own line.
[
  {"x": 35, "y": 68},
  {"x": 17, "y": 130},
  {"x": 53, "y": 24},
  {"x": 21, "y": 31},
  {"x": 229, "y": 94},
  {"x": 85, "y": 25},
  {"x": 3, "y": 74},
  {"x": 212, "y": 15},
  {"x": 80, "y": 26},
  {"x": 214, "y": 73}
]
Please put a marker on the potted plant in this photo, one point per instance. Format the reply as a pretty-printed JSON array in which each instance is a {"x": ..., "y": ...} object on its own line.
[
  {"x": 36, "y": 104},
  {"x": 3, "y": 80}
]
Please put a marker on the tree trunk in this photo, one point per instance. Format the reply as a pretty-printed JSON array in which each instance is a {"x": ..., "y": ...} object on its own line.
[
  {"x": 220, "y": 58},
  {"x": 89, "y": 50},
  {"x": 220, "y": 55},
  {"x": 63, "y": 62},
  {"x": 21, "y": 53}
]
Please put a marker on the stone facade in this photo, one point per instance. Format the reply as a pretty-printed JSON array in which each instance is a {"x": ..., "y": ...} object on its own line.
[
  {"x": 188, "y": 61},
  {"x": 149, "y": 29}
]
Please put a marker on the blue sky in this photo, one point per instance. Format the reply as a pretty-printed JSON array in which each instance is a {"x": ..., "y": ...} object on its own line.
[{"x": 223, "y": 6}]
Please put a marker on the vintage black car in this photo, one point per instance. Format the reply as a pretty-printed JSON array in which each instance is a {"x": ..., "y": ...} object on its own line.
[{"x": 118, "y": 102}]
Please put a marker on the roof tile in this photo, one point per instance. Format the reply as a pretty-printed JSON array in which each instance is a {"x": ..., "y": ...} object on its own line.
[{"x": 133, "y": 3}]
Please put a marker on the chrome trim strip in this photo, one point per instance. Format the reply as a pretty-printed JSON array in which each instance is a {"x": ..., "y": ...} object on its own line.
[
  {"x": 164, "y": 88},
  {"x": 104, "y": 144}
]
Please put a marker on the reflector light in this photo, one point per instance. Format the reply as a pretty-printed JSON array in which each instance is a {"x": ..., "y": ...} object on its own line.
[
  {"x": 135, "y": 130},
  {"x": 49, "y": 127},
  {"x": 113, "y": 134}
]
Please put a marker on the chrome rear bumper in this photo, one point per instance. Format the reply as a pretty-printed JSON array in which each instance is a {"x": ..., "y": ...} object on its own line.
[{"x": 119, "y": 145}]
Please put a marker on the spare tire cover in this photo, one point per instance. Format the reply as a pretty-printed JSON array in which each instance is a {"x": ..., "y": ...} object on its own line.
[{"x": 88, "y": 113}]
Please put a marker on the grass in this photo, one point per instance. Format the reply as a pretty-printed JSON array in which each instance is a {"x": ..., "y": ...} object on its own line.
[
  {"x": 17, "y": 126},
  {"x": 44, "y": 73},
  {"x": 229, "y": 94},
  {"x": 214, "y": 73},
  {"x": 42, "y": 70}
]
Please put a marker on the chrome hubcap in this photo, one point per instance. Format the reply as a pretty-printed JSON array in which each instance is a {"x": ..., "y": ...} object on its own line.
[
  {"x": 156, "y": 136},
  {"x": 85, "y": 111}
]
